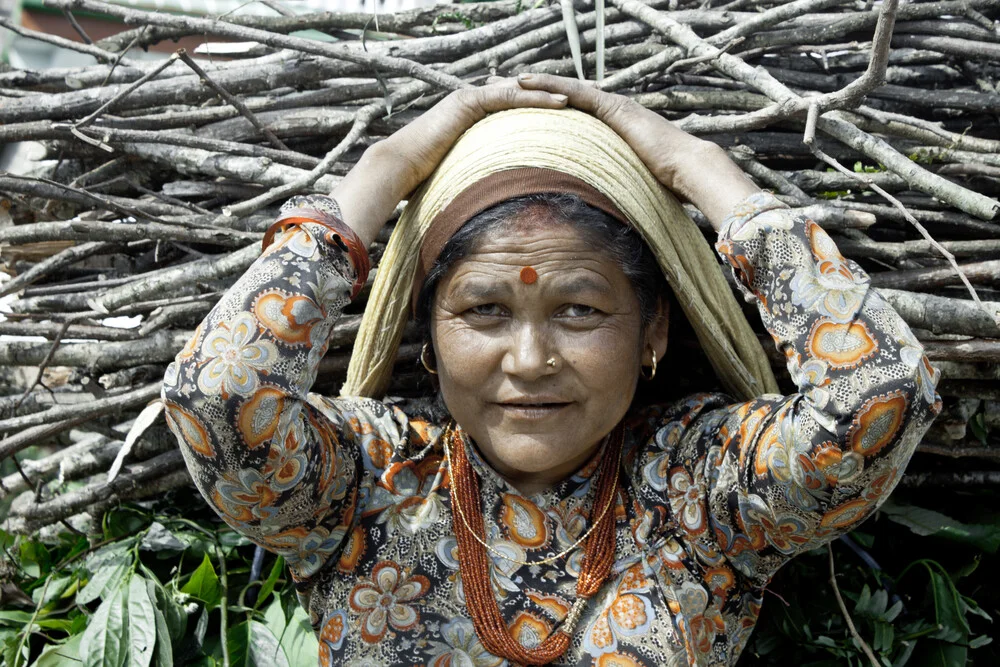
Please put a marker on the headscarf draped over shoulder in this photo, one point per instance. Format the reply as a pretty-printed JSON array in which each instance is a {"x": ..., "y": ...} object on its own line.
[{"x": 585, "y": 149}]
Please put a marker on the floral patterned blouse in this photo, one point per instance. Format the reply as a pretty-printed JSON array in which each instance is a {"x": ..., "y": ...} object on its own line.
[{"x": 353, "y": 493}]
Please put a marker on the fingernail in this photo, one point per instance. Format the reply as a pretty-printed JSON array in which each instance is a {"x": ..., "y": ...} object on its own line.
[
  {"x": 561, "y": 99},
  {"x": 525, "y": 76}
]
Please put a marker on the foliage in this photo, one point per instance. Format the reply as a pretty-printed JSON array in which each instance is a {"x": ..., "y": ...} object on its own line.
[
  {"x": 908, "y": 578},
  {"x": 152, "y": 589}
]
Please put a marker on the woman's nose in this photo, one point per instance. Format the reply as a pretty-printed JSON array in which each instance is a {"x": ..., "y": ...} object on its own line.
[{"x": 527, "y": 354}]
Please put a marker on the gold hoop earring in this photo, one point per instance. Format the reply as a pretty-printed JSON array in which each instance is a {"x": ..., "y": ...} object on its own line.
[
  {"x": 423, "y": 360},
  {"x": 652, "y": 371}
]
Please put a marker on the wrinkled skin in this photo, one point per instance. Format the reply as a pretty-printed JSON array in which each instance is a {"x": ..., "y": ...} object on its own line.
[{"x": 494, "y": 335}]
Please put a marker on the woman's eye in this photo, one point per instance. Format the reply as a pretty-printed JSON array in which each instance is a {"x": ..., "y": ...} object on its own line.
[
  {"x": 487, "y": 310},
  {"x": 579, "y": 310}
]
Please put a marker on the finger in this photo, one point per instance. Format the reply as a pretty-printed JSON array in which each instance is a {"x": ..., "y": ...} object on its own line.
[
  {"x": 496, "y": 80},
  {"x": 581, "y": 94},
  {"x": 501, "y": 97}
]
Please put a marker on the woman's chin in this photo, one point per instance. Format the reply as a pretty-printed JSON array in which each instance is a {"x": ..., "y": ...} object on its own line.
[{"x": 518, "y": 456}]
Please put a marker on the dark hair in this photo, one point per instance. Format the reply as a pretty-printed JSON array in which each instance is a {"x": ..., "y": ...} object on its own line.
[{"x": 619, "y": 242}]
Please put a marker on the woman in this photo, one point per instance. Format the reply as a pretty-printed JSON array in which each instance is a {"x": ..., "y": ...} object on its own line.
[{"x": 533, "y": 515}]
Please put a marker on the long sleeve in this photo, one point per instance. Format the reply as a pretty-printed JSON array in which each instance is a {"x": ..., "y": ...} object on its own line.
[
  {"x": 764, "y": 480},
  {"x": 237, "y": 398}
]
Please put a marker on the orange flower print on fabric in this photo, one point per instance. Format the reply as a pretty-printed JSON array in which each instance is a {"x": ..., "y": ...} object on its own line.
[
  {"x": 554, "y": 605},
  {"x": 409, "y": 497},
  {"x": 305, "y": 550},
  {"x": 616, "y": 660},
  {"x": 823, "y": 247},
  {"x": 244, "y": 495},
  {"x": 525, "y": 523},
  {"x": 353, "y": 550},
  {"x": 720, "y": 580},
  {"x": 190, "y": 427},
  {"x": 699, "y": 620},
  {"x": 331, "y": 637},
  {"x": 830, "y": 287},
  {"x": 629, "y": 614},
  {"x": 846, "y": 514},
  {"x": 287, "y": 457},
  {"x": 290, "y": 318},
  {"x": 687, "y": 498},
  {"x": 876, "y": 423},
  {"x": 750, "y": 423},
  {"x": 189, "y": 349},
  {"x": 380, "y": 453},
  {"x": 529, "y": 630},
  {"x": 258, "y": 417},
  {"x": 387, "y": 600},
  {"x": 234, "y": 358},
  {"x": 841, "y": 345},
  {"x": 461, "y": 647},
  {"x": 786, "y": 533}
]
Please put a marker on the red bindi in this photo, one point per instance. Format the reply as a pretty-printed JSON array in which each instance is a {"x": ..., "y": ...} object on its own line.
[{"x": 528, "y": 275}]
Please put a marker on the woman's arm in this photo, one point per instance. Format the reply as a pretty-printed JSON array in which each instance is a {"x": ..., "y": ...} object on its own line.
[
  {"x": 787, "y": 474},
  {"x": 273, "y": 464},
  {"x": 769, "y": 478}
]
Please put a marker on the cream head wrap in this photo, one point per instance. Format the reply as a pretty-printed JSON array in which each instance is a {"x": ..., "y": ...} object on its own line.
[{"x": 583, "y": 147}]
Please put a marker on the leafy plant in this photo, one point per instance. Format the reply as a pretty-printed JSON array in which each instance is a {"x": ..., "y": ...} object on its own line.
[
  {"x": 922, "y": 615},
  {"x": 156, "y": 590}
]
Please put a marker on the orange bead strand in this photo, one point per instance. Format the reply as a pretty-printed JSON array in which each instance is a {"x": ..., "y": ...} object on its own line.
[{"x": 474, "y": 561}]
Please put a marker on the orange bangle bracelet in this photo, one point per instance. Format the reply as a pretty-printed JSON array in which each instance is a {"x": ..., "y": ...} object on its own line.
[{"x": 338, "y": 234}]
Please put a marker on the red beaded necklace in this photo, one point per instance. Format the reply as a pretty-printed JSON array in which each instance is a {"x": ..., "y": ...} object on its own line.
[{"x": 474, "y": 561}]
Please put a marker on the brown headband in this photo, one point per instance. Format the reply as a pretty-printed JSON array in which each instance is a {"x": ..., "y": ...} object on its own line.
[{"x": 490, "y": 191}]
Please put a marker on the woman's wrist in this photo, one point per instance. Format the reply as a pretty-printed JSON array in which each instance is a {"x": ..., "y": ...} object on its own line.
[
  {"x": 371, "y": 190},
  {"x": 712, "y": 182}
]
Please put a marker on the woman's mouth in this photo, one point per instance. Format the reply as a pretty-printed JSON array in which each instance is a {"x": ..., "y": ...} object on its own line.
[{"x": 533, "y": 410}]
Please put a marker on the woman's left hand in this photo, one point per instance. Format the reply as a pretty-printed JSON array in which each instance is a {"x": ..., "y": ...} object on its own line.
[{"x": 698, "y": 170}]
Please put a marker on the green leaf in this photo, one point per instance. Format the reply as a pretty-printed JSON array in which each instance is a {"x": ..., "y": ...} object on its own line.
[
  {"x": 164, "y": 646},
  {"x": 105, "y": 641},
  {"x": 34, "y": 558},
  {"x": 158, "y": 539},
  {"x": 876, "y": 608},
  {"x": 884, "y": 636},
  {"x": 970, "y": 606},
  {"x": 979, "y": 429},
  {"x": 893, "y": 611},
  {"x": 15, "y": 617},
  {"x": 928, "y": 522},
  {"x": 204, "y": 584},
  {"x": 947, "y": 609},
  {"x": 907, "y": 652},
  {"x": 980, "y": 641},
  {"x": 299, "y": 641},
  {"x": 252, "y": 644},
  {"x": 861, "y": 608},
  {"x": 107, "y": 566},
  {"x": 864, "y": 539},
  {"x": 105, "y": 580},
  {"x": 230, "y": 539},
  {"x": 60, "y": 655},
  {"x": 268, "y": 586},
  {"x": 53, "y": 591},
  {"x": 141, "y": 623},
  {"x": 274, "y": 618},
  {"x": 935, "y": 653},
  {"x": 173, "y": 614}
]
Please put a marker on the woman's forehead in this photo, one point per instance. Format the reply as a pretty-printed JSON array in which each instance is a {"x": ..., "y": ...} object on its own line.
[{"x": 550, "y": 257}]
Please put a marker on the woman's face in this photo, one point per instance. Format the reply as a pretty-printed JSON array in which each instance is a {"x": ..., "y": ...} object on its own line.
[{"x": 494, "y": 333}]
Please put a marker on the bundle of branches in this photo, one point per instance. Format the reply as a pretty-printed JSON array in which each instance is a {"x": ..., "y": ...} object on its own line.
[{"x": 160, "y": 176}]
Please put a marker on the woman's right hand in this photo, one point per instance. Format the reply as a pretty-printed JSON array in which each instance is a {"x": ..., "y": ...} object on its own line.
[{"x": 392, "y": 168}]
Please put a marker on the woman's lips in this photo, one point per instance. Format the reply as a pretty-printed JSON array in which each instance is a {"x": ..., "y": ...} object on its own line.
[{"x": 532, "y": 410}]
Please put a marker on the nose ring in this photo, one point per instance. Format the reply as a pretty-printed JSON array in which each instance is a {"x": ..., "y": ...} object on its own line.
[{"x": 551, "y": 363}]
